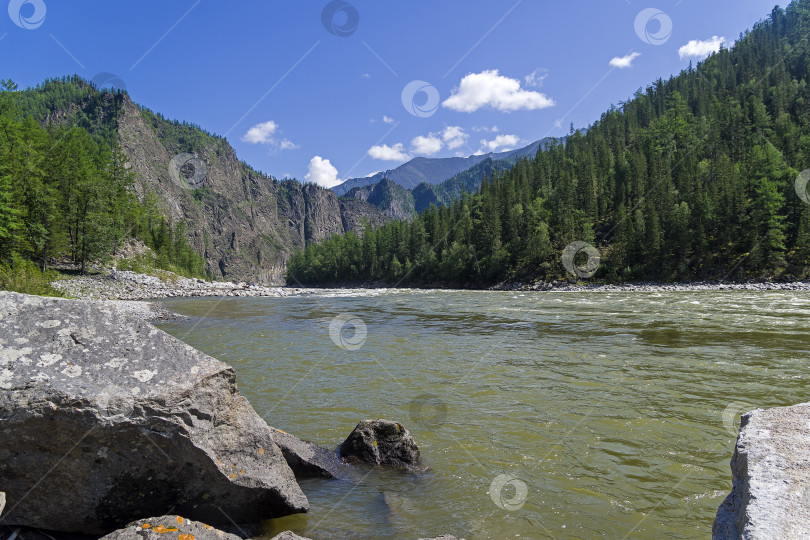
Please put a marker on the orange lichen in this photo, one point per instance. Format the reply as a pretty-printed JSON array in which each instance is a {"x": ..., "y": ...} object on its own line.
[
  {"x": 242, "y": 471},
  {"x": 185, "y": 537},
  {"x": 179, "y": 520},
  {"x": 145, "y": 526},
  {"x": 261, "y": 451},
  {"x": 209, "y": 527}
]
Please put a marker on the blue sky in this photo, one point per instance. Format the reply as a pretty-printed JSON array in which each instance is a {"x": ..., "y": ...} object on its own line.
[{"x": 326, "y": 89}]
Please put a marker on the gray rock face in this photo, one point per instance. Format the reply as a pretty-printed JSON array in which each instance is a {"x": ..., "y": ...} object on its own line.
[
  {"x": 105, "y": 419},
  {"x": 770, "y": 497},
  {"x": 308, "y": 460},
  {"x": 2, "y": 502},
  {"x": 169, "y": 527},
  {"x": 381, "y": 442}
]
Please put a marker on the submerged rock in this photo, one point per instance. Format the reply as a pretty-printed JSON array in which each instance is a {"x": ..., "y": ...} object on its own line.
[
  {"x": 288, "y": 535},
  {"x": 307, "y": 459},
  {"x": 167, "y": 528},
  {"x": 770, "y": 497},
  {"x": 105, "y": 419},
  {"x": 381, "y": 442}
]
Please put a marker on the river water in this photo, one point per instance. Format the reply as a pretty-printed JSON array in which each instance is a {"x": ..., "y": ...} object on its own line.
[{"x": 538, "y": 415}]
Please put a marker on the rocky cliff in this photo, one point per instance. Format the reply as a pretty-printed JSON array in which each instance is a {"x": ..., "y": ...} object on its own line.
[{"x": 244, "y": 223}]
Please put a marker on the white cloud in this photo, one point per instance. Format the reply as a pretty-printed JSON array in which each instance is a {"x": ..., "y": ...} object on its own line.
[
  {"x": 261, "y": 133},
  {"x": 369, "y": 175},
  {"x": 486, "y": 129},
  {"x": 426, "y": 145},
  {"x": 454, "y": 137},
  {"x": 622, "y": 62},
  {"x": 388, "y": 119},
  {"x": 366, "y": 75},
  {"x": 389, "y": 153},
  {"x": 265, "y": 133},
  {"x": 489, "y": 89},
  {"x": 322, "y": 172},
  {"x": 287, "y": 144},
  {"x": 701, "y": 49},
  {"x": 500, "y": 143},
  {"x": 535, "y": 78}
]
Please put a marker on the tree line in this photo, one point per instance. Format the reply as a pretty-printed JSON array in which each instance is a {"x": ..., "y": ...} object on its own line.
[
  {"x": 692, "y": 178},
  {"x": 68, "y": 194}
]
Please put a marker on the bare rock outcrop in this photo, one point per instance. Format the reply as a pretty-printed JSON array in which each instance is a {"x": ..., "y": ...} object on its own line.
[
  {"x": 105, "y": 419},
  {"x": 169, "y": 528},
  {"x": 770, "y": 497}
]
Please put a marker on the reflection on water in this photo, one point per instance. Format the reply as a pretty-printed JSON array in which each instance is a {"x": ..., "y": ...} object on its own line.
[{"x": 615, "y": 410}]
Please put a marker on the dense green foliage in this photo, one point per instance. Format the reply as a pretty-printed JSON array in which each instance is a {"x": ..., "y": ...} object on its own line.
[
  {"x": 65, "y": 190},
  {"x": 691, "y": 179}
]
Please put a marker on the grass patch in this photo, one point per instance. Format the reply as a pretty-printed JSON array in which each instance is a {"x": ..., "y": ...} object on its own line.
[{"x": 25, "y": 277}]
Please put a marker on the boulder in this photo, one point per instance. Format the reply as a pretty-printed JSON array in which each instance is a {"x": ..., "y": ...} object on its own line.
[
  {"x": 308, "y": 460},
  {"x": 105, "y": 419},
  {"x": 770, "y": 495},
  {"x": 168, "y": 528},
  {"x": 288, "y": 535},
  {"x": 381, "y": 442}
]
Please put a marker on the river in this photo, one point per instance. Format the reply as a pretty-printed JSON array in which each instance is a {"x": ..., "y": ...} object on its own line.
[{"x": 538, "y": 415}]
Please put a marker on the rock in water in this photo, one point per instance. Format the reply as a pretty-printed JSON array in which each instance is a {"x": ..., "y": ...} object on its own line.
[
  {"x": 167, "y": 528},
  {"x": 381, "y": 442},
  {"x": 770, "y": 497},
  {"x": 106, "y": 419},
  {"x": 288, "y": 535},
  {"x": 307, "y": 459}
]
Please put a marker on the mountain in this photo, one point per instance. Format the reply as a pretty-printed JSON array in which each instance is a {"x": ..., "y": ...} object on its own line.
[
  {"x": 244, "y": 223},
  {"x": 694, "y": 177},
  {"x": 433, "y": 170}
]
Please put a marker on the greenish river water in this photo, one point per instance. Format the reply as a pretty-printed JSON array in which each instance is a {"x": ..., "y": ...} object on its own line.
[{"x": 540, "y": 415}]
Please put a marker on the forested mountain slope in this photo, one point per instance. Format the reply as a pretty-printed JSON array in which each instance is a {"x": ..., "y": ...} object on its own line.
[
  {"x": 243, "y": 223},
  {"x": 692, "y": 178}
]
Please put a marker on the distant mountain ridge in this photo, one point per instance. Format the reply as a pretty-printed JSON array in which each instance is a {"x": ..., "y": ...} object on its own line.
[{"x": 434, "y": 170}]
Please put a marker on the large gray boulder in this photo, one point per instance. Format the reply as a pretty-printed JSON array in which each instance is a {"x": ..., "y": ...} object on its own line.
[
  {"x": 381, "y": 442},
  {"x": 104, "y": 419},
  {"x": 770, "y": 497},
  {"x": 169, "y": 528}
]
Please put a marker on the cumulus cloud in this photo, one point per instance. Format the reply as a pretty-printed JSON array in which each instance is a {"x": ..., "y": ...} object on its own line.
[
  {"x": 388, "y": 153},
  {"x": 454, "y": 136},
  {"x": 535, "y": 78},
  {"x": 622, "y": 62},
  {"x": 500, "y": 143},
  {"x": 489, "y": 89},
  {"x": 260, "y": 133},
  {"x": 265, "y": 133},
  {"x": 388, "y": 119},
  {"x": 486, "y": 129},
  {"x": 426, "y": 145},
  {"x": 701, "y": 49},
  {"x": 322, "y": 172}
]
